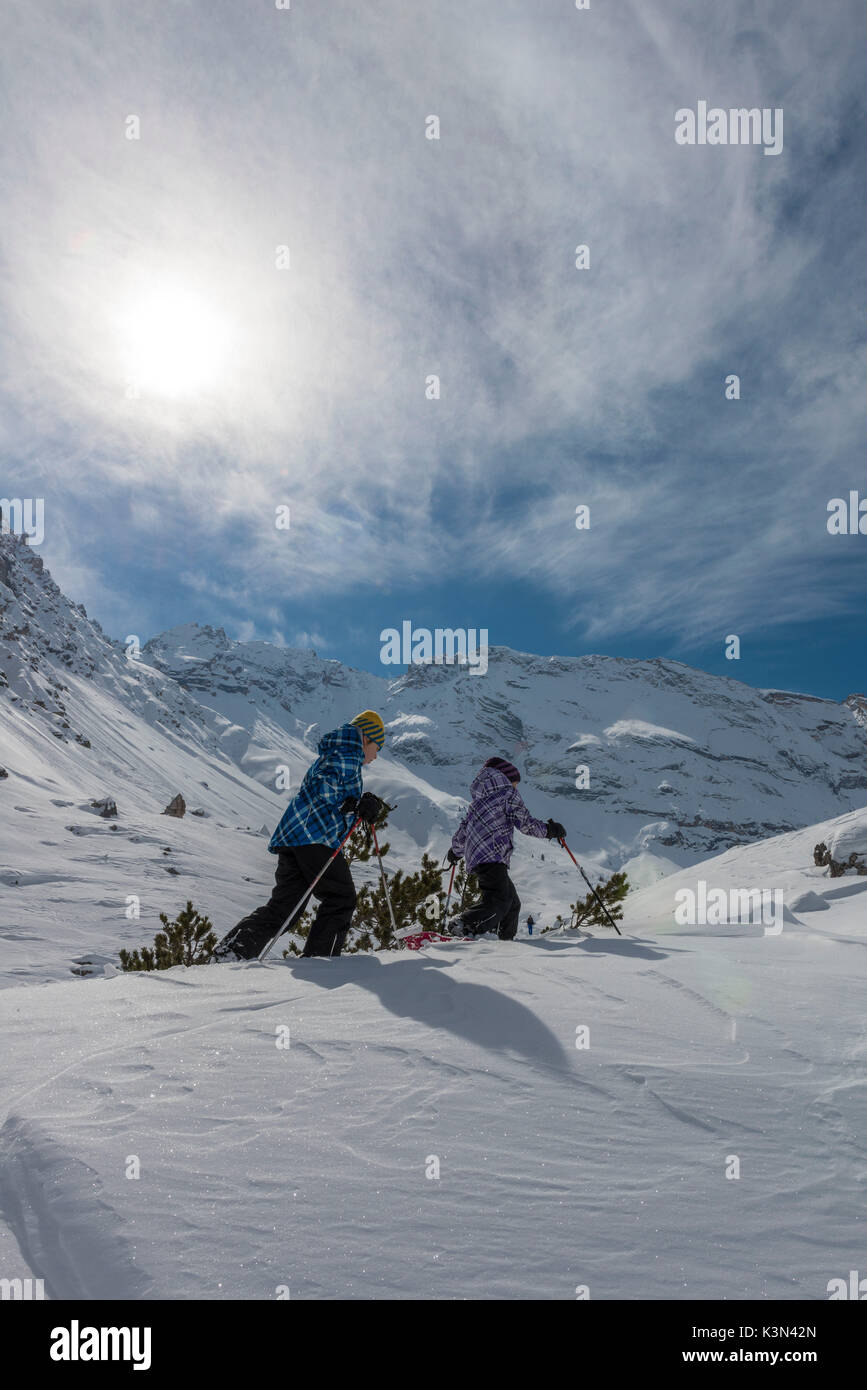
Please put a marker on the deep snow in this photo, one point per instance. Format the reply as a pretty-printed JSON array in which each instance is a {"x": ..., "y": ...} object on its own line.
[{"x": 304, "y": 1167}]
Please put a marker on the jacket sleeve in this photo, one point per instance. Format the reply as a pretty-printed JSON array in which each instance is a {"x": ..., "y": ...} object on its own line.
[
  {"x": 459, "y": 839},
  {"x": 523, "y": 821}
]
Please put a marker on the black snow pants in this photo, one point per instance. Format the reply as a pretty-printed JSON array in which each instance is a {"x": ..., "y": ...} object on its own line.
[
  {"x": 500, "y": 904},
  {"x": 296, "y": 869}
]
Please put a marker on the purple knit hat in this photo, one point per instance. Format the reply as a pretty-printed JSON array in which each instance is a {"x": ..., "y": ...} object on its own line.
[{"x": 502, "y": 766}]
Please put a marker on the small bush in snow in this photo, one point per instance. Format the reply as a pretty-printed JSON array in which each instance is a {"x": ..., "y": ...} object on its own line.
[
  {"x": 587, "y": 911},
  {"x": 189, "y": 940}
]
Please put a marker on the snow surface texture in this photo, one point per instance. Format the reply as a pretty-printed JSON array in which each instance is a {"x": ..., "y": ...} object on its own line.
[{"x": 306, "y": 1167}]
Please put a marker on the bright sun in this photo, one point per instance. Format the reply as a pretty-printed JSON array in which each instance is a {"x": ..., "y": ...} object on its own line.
[{"x": 176, "y": 344}]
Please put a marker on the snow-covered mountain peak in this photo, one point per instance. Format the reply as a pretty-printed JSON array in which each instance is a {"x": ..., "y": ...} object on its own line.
[{"x": 633, "y": 756}]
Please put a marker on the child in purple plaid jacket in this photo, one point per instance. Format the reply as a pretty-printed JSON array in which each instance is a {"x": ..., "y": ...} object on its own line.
[{"x": 484, "y": 840}]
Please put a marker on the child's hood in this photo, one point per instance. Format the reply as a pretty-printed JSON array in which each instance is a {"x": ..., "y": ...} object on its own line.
[
  {"x": 488, "y": 780},
  {"x": 347, "y": 736}
]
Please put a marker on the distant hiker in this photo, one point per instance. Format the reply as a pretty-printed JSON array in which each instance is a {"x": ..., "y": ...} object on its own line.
[
  {"x": 530, "y": 924},
  {"x": 312, "y": 827},
  {"x": 484, "y": 840}
]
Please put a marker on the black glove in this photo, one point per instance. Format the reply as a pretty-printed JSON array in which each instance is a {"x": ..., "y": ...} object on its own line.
[
  {"x": 452, "y": 857},
  {"x": 556, "y": 831},
  {"x": 350, "y": 804},
  {"x": 369, "y": 807}
]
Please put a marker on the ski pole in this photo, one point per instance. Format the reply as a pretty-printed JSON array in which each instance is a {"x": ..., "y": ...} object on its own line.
[
  {"x": 590, "y": 886},
  {"x": 384, "y": 884},
  {"x": 306, "y": 894},
  {"x": 449, "y": 895}
]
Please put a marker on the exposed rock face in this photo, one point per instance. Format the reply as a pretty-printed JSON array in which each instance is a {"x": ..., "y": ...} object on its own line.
[
  {"x": 176, "y": 807},
  {"x": 858, "y": 705},
  {"x": 105, "y": 807},
  {"x": 838, "y": 867}
]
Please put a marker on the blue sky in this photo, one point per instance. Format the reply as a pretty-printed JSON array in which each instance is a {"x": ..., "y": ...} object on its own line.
[{"x": 166, "y": 387}]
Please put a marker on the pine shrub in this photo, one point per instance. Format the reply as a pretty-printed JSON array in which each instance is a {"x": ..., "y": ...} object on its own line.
[
  {"x": 188, "y": 940},
  {"x": 587, "y": 912}
]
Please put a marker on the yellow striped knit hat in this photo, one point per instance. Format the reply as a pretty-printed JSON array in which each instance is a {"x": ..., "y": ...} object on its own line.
[{"x": 370, "y": 724}]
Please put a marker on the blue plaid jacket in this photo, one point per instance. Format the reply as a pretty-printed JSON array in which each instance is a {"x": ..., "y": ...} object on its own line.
[{"x": 313, "y": 816}]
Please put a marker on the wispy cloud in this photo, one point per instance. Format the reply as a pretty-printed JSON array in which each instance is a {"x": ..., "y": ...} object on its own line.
[
  {"x": 408, "y": 258},
  {"x": 313, "y": 640}
]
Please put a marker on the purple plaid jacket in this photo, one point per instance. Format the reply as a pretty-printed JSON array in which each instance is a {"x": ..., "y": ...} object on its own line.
[{"x": 484, "y": 836}]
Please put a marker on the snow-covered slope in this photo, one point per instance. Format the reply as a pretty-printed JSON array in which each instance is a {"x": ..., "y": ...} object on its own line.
[
  {"x": 681, "y": 764},
  {"x": 783, "y": 864},
  {"x": 433, "y": 1131}
]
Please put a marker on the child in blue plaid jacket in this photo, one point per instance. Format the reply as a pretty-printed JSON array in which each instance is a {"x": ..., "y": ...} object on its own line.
[{"x": 312, "y": 827}]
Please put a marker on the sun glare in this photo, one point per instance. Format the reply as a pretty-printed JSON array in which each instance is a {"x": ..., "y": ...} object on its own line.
[{"x": 176, "y": 344}]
